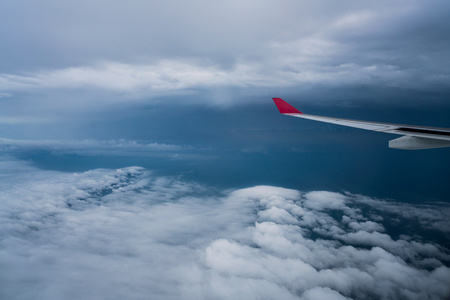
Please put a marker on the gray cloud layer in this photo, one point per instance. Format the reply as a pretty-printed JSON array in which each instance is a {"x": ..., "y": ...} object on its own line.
[
  {"x": 126, "y": 233},
  {"x": 149, "y": 48}
]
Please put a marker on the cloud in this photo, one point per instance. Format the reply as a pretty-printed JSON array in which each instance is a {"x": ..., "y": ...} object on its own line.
[
  {"x": 126, "y": 233},
  {"x": 352, "y": 46},
  {"x": 171, "y": 76},
  {"x": 166, "y": 75},
  {"x": 381, "y": 45},
  {"x": 13, "y": 120},
  {"x": 426, "y": 215},
  {"x": 73, "y": 62},
  {"x": 255, "y": 150},
  {"x": 325, "y": 200},
  {"x": 5, "y": 95},
  {"x": 295, "y": 69},
  {"x": 119, "y": 147}
]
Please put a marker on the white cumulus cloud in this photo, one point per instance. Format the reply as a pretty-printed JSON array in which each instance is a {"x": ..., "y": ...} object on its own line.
[{"x": 127, "y": 234}]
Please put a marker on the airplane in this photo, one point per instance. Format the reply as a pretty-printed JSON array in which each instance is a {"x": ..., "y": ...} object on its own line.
[{"x": 414, "y": 137}]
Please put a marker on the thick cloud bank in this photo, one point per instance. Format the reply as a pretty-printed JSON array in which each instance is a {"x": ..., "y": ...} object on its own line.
[
  {"x": 115, "y": 234},
  {"x": 150, "y": 49}
]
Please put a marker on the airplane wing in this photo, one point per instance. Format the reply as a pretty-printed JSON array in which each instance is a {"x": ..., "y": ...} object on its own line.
[{"x": 414, "y": 137}]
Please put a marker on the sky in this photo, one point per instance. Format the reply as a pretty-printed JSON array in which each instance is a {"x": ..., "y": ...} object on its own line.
[{"x": 141, "y": 155}]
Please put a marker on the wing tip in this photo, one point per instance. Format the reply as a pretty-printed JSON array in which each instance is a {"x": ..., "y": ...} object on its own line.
[{"x": 284, "y": 107}]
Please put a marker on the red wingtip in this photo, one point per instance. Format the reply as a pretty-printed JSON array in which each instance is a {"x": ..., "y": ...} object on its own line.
[{"x": 284, "y": 107}]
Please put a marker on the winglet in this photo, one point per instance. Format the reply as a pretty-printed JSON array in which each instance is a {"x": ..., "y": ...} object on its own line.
[{"x": 284, "y": 107}]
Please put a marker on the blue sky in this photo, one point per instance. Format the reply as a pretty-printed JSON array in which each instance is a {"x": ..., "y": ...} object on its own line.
[{"x": 158, "y": 113}]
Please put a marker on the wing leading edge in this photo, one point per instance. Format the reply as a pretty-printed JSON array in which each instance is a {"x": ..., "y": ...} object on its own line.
[{"x": 414, "y": 137}]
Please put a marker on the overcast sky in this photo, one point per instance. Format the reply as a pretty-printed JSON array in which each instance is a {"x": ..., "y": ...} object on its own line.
[
  {"x": 83, "y": 55},
  {"x": 141, "y": 155}
]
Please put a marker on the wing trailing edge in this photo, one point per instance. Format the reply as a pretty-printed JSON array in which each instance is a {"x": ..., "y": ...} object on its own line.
[{"x": 414, "y": 137}]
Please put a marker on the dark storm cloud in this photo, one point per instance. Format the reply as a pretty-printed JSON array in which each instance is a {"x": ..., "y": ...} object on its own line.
[
  {"x": 145, "y": 49},
  {"x": 126, "y": 233}
]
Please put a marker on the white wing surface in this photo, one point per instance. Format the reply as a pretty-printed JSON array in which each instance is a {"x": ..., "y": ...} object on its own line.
[{"x": 414, "y": 137}]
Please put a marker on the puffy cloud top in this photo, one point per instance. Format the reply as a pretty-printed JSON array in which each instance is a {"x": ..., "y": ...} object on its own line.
[{"x": 126, "y": 233}]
